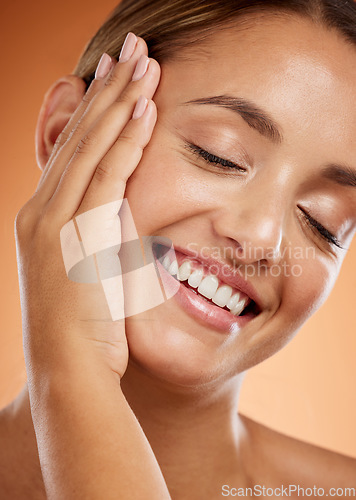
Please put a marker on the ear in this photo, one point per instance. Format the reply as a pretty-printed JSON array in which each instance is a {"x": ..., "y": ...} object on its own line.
[{"x": 59, "y": 103}]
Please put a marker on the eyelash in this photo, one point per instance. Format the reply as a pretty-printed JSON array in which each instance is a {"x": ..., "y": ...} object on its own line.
[
  {"x": 226, "y": 164},
  {"x": 323, "y": 232},
  {"x": 210, "y": 158}
]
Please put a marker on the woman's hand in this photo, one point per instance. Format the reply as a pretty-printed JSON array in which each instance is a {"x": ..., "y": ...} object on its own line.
[
  {"x": 90, "y": 443},
  {"x": 93, "y": 157}
]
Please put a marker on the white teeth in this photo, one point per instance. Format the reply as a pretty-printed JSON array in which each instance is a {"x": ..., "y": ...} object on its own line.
[
  {"x": 184, "y": 271},
  {"x": 166, "y": 262},
  {"x": 208, "y": 286},
  {"x": 222, "y": 295},
  {"x": 173, "y": 268},
  {"x": 196, "y": 278},
  {"x": 237, "y": 310},
  {"x": 233, "y": 300},
  {"x": 236, "y": 304}
]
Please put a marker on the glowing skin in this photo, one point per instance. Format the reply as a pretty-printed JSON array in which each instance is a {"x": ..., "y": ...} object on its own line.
[
  {"x": 309, "y": 88},
  {"x": 183, "y": 377}
]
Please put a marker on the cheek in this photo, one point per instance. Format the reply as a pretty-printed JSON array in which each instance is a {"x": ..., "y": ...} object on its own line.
[
  {"x": 303, "y": 286},
  {"x": 165, "y": 189},
  {"x": 306, "y": 285}
]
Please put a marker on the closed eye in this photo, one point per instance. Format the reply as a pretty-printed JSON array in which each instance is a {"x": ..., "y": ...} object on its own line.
[
  {"x": 213, "y": 159},
  {"x": 322, "y": 231},
  {"x": 227, "y": 164}
]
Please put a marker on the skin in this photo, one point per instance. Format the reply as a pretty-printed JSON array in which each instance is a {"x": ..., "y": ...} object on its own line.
[{"x": 183, "y": 378}]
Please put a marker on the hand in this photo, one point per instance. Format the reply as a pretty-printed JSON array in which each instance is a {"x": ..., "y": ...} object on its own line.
[
  {"x": 89, "y": 441},
  {"x": 90, "y": 164}
]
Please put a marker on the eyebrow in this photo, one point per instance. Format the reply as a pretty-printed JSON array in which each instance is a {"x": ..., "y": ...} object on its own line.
[
  {"x": 259, "y": 119},
  {"x": 254, "y": 116},
  {"x": 341, "y": 174}
]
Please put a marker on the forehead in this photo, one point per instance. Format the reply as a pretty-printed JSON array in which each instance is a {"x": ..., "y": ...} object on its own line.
[{"x": 304, "y": 74}]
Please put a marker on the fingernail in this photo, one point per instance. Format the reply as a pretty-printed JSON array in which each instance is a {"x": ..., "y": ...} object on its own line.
[
  {"x": 141, "y": 67},
  {"x": 140, "y": 107},
  {"x": 103, "y": 66},
  {"x": 128, "y": 47}
]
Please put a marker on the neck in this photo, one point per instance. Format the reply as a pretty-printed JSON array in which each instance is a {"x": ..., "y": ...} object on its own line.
[{"x": 196, "y": 431}]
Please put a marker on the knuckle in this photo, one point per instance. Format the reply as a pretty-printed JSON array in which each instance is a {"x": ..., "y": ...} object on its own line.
[
  {"x": 20, "y": 221},
  {"x": 129, "y": 141},
  {"x": 86, "y": 143},
  {"x": 80, "y": 129},
  {"x": 24, "y": 219},
  {"x": 135, "y": 148},
  {"x": 35, "y": 227},
  {"x": 124, "y": 98},
  {"x": 103, "y": 170},
  {"x": 112, "y": 79}
]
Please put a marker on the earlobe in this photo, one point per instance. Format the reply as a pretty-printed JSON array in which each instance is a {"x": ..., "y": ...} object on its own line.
[{"x": 59, "y": 103}]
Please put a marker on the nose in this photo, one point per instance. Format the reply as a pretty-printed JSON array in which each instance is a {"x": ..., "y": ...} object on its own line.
[{"x": 252, "y": 227}]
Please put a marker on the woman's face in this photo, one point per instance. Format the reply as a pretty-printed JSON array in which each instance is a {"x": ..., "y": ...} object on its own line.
[{"x": 278, "y": 219}]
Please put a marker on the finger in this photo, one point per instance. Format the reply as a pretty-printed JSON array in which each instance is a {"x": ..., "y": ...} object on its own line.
[
  {"x": 118, "y": 78},
  {"x": 114, "y": 83},
  {"x": 109, "y": 180},
  {"x": 93, "y": 88},
  {"x": 99, "y": 139}
]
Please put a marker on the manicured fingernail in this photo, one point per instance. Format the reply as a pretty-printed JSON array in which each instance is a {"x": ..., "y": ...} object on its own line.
[
  {"x": 140, "y": 107},
  {"x": 128, "y": 47},
  {"x": 103, "y": 66},
  {"x": 141, "y": 67}
]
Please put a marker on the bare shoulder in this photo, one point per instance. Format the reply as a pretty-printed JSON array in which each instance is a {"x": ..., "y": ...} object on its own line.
[{"x": 291, "y": 461}]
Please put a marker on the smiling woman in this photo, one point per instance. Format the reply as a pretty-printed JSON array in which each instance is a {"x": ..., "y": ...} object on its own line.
[{"x": 228, "y": 127}]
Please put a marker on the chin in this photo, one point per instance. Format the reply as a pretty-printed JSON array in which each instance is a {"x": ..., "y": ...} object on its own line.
[{"x": 173, "y": 355}]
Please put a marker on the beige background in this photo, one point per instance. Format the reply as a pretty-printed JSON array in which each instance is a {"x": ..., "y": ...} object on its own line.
[{"x": 307, "y": 390}]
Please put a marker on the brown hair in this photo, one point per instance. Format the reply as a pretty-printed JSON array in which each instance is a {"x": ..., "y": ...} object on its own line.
[{"x": 168, "y": 26}]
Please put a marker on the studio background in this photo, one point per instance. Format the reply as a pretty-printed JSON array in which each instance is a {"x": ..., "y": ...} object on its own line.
[{"x": 307, "y": 390}]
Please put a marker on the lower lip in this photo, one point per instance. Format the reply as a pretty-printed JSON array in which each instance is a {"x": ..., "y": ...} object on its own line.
[{"x": 202, "y": 310}]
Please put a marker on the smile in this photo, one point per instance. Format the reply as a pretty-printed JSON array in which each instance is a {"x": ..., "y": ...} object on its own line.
[{"x": 203, "y": 294}]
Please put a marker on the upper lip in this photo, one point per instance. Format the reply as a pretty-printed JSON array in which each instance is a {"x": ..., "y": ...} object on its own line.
[{"x": 224, "y": 272}]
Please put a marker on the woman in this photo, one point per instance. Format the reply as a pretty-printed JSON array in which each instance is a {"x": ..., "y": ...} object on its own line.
[{"x": 243, "y": 160}]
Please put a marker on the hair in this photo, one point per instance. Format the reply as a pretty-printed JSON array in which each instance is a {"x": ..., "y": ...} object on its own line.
[{"x": 169, "y": 26}]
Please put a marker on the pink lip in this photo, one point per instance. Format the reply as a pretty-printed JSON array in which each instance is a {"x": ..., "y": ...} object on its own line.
[{"x": 204, "y": 311}]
